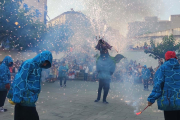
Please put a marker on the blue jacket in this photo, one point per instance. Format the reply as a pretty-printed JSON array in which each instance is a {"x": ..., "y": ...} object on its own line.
[
  {"x": 105, "y": 66},
  {"x": 146, "y": 73},
  {"x": 62, "y": 71},
  {"x": 26, "y": 85},
  {"x": 167, "y": 86},
  {"x": 5, "y": 75}
]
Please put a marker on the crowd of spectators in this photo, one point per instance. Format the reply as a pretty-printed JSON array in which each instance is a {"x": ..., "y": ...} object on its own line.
[
  {"x": 148, "y": 47},
  {"x": 125, "y": 71},
  {"x": 131, "y": 71}
]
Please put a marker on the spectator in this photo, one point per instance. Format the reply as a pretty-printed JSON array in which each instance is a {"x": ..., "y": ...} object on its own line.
[
  {"x": 77, "y": 70},
  {"x": 71, "y": 73},
  {"x": 63, "y": 73},
  {"x": 152, "y": 75},
  {"x": 145, "y": 76},
  {"x": 86, "y": 68}
]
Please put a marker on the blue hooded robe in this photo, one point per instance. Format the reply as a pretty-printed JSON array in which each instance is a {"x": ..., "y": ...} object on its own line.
[
  {"x": 167, "y": 86},
  {"x": 5, "y": 75},
  {"x": 26, "y": 85}
]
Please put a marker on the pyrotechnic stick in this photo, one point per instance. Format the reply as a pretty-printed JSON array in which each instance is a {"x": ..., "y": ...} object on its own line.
[
  {"x": 116, "y": 49},
  {"x": 141, "y": 111}
]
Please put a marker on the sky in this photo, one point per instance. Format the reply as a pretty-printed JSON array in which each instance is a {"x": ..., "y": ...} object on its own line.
[{"x": 117, "y": 12}]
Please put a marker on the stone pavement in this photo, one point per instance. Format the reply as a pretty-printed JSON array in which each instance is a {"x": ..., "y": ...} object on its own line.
[{"x": 76, "y": 102}]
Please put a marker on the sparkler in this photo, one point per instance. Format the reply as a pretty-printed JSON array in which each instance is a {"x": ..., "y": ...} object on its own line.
[
  {"x": 141, "y": 111},
  {"x": 116, "y": 49}
]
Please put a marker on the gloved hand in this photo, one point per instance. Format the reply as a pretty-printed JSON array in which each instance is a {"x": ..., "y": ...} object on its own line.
[
  {"x": 7, "y": 86},
  {"x": 11, "y": 102}
]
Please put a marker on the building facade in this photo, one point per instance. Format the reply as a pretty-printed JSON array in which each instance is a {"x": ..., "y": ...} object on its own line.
[
  {"x": 71, "y": 18},
  {"x": 156, "y": 36},
  {"x": 152, "y": 25},
  {"x": 152, "y": 28}
]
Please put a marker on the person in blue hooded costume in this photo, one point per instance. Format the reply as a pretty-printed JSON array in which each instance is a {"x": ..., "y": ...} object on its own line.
[
  {"x": 166, "y": 88},
  {"x": 5, "y": 78},
  {"x": 26, "y": 86},
  {"x": 146, "y": 74},
  {"x": 105, "y": 66}
]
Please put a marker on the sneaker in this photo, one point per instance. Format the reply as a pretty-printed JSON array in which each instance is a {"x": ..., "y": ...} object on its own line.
[
  {"x": 61, "y": 86},
  {"x": 96, "y": 101},
  {"x": 3, "y": 110},
  {"x": 64, "y": 85},
  {"x": 105, "y": 102}
]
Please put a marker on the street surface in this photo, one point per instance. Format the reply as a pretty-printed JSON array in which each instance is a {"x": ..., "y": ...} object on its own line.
[{"x": 76, "y": 102}]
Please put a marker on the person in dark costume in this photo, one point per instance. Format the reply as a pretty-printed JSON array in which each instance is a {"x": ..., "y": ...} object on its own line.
[{"x": 105, "y": 66}]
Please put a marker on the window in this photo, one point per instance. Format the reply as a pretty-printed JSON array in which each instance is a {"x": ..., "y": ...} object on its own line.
[
  {"x": 38, "y": 13},
  {"x": 45, "y": 7},
  {"x": 26, "y": 6},
  {"x": 45, "y": 14}
]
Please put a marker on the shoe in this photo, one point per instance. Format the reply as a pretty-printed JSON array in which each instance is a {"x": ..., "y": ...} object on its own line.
[
  {"x": 61, "y": 86},
  {"x": 3, "y": 110},
  {"x": 64, "y": 85},
  {"x": 147, "y": 89},
  {"x": 144, "y": 89},
  {"x": 105, "y": 102},
  {"x": 96, "y": 101}
]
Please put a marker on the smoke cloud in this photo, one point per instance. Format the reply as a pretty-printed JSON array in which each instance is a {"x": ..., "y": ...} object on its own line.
[{"x": 118, "y": 13}]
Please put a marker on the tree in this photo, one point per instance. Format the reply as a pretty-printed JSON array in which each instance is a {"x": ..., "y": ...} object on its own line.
[
  {"x": 20, "y": 27},
  {"x": 152, "y": 44},
  {"x": 145, "y": 44},
  {"x": 167, "y": 44}
]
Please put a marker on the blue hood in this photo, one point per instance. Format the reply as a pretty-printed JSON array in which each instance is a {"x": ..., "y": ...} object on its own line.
[
  {"x": 8, "y": 60},
  {"x": 42, "y": 57},
  {"x": 145, "y": 66},
  {"x": 172, "y": 63}
]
